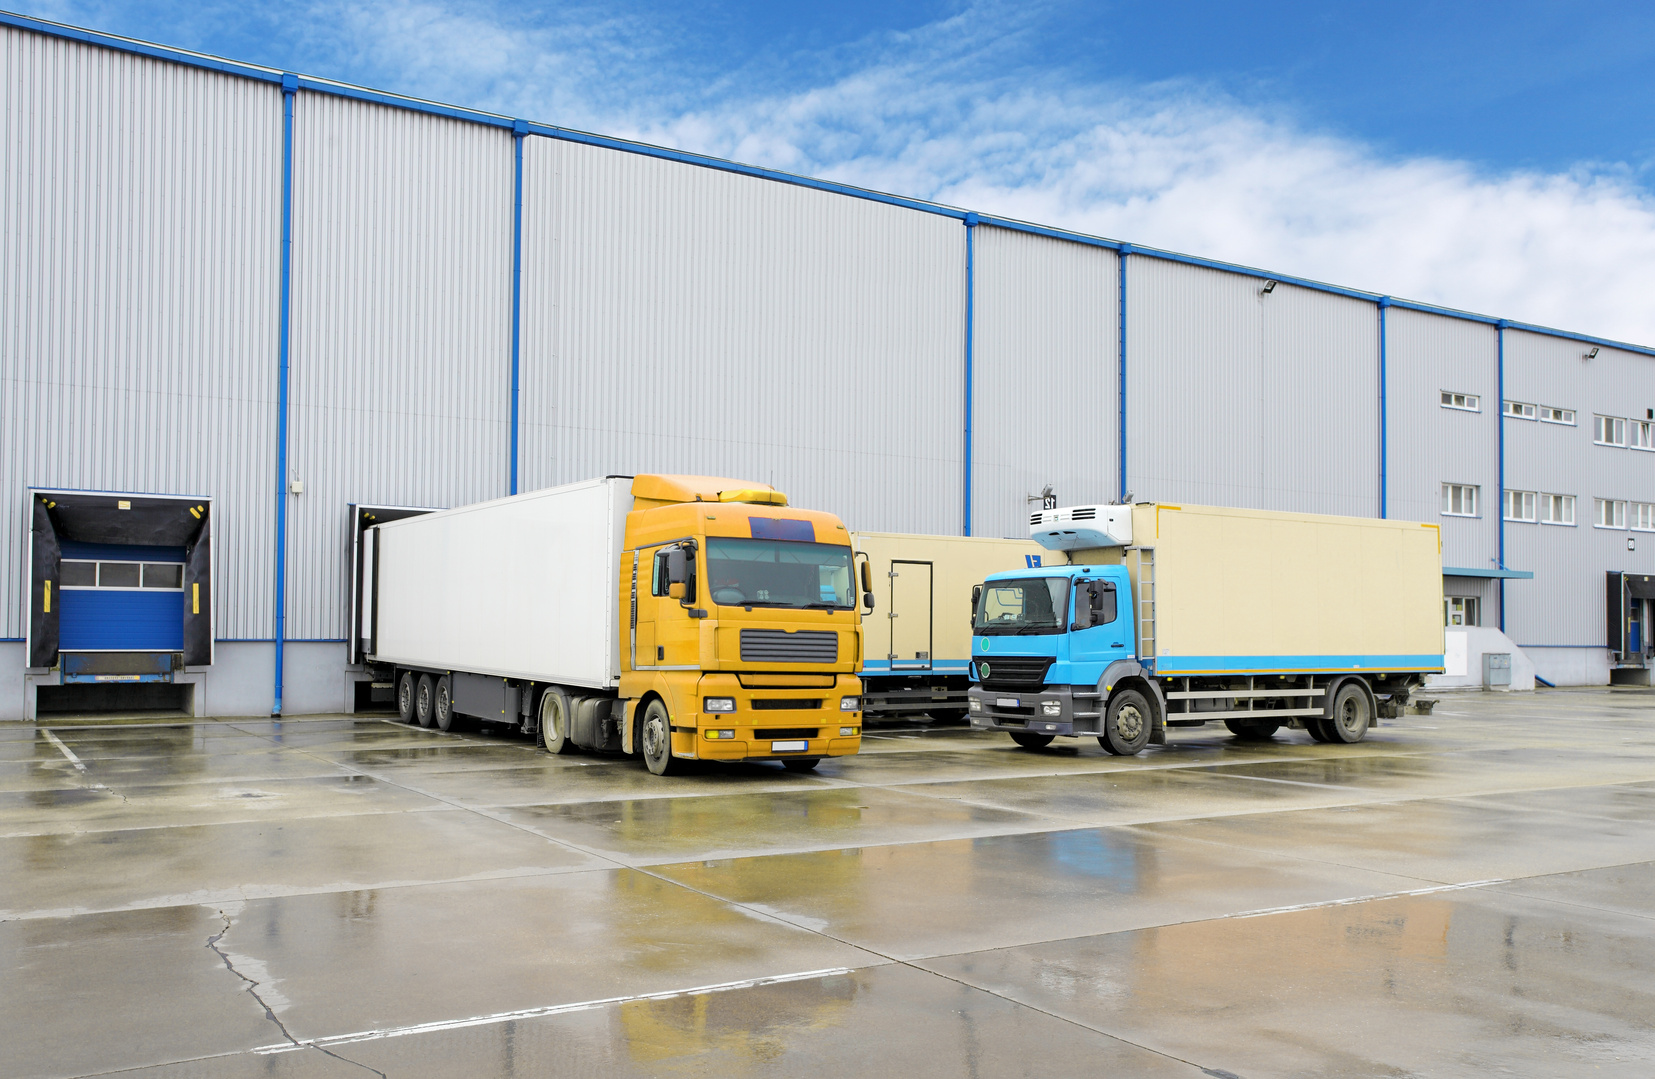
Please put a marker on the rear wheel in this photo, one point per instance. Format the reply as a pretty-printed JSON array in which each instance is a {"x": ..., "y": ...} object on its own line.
[
  {"x": 1031, "y": 741},
  {"x": 655, "y": 737},
  {"x": 444, "y": 704},
  {"x": 1126, "y": 724},
  {"x": 1351, "y": 715},
  {"x": 801, "y": 764},
  {"x": 405, "y": 697},
  {"x": 425, "y": 692},
  {"x": 1317, "y": 732},
  {"x": 1252, "y": 732},
  {"x": 554, "y": 722}
]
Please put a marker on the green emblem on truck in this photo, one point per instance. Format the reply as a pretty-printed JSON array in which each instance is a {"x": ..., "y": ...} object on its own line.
[{"x": 982, "y": 669}]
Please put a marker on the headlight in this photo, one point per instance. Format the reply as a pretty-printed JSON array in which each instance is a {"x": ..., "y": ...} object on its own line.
[
  {"x": 718, "y": 704},
  {"x": 850, "y": 704},
  {"x": 718, "y": 735},
  {"x": 1051, "y": 708},
  {"x": 846, "y": 732},
  {"x": 976, "y": 705}
]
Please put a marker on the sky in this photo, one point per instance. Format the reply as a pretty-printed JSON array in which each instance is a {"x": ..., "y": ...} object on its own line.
[{"x": 1495, "y": 158}]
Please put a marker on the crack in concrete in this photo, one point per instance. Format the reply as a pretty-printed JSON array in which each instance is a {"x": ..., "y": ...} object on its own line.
[
  {"x": 348, "y": 1060},
  {"x": 252, "y": 986}
]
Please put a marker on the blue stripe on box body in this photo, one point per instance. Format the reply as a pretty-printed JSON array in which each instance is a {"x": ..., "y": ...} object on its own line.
[
  {"x": 782, "y": 528},
  {"x": 138, "y": 620}
]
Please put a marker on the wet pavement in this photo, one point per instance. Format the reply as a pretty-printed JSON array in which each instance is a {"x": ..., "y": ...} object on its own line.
[{"x": 1466, "y": 893}]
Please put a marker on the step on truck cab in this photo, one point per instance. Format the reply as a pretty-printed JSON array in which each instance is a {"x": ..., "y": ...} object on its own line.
[
  {"x": 674, "y": 617},
  {"x": 1185, "y": 615}
]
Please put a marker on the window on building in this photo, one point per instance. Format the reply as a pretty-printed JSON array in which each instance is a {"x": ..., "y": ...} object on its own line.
[
  {"x": 1642, "y": 515},
  {"x": 1520, "y": 505},
  {"x": 1642, "y": 434},
  {"x": 1461, "y": 611},
  {"x": 1459, "y": 500},
  {"x": 1519, "y": 410},
  {"x": 1557, "y": 509},
  {"x": 1609, "y": 430},
  {"x": 1470, "y": 402},
  {"x": 77, "y": 573},
  {"x": 1548, "y": 414},
  {"x": 1608, "y": 513}
]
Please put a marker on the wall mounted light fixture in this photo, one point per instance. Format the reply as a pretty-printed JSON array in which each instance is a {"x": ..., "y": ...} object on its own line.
[
  {"x": 1592, "y": 355},
  {"x": 1269, "y": 287}
]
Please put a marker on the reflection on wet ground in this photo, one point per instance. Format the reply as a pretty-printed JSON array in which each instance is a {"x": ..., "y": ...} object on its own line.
[{"x": 1466, "y": 893}]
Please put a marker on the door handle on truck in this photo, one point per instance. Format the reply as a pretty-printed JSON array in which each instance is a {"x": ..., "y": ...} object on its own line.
[{"x": 1118, "y": 644}]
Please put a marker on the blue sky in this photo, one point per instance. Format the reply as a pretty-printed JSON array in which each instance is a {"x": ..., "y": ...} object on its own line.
[{"x": 1494, "y": 157}]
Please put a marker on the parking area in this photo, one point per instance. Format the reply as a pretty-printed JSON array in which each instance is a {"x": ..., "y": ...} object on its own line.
[{"x": 1466, "y": 893}]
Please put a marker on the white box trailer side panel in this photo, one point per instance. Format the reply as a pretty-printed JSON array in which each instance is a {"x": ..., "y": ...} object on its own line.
[
  {"x": 521, "y": 587},
  {"x": 931, "y": 596},
  {"x": 1256, "y": 591}
]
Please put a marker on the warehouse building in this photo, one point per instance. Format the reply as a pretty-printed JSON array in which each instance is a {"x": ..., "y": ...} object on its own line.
[{"x": 247, "y": 312}]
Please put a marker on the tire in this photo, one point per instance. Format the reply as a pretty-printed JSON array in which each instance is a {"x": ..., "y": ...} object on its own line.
[
  {"x": 442, "y": 705},
  {"x": 1127, "y": 724},
  {"x": 425, "y": 692},
  {"x": 554, "y": 722},
  {"x": 1317, "y": 732},
  {"x": 801, "y": 764},
  {"x": 405, "y": 697},
  {"x": 655, "y": 739},
  {"x": 1031, "y": 741},
  {"x": 1252, "y": 732},
  {"x": 1350, "y": 715}
]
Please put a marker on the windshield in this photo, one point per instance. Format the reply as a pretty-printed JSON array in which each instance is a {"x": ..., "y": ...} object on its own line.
[
  {"x": 778, "y": 573},
  {"x": 1029, "y": 605}
]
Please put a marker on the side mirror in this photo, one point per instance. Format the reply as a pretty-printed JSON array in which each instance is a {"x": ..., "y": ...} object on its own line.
[
  {"x": 867, "y": 587},
  {"x": 676, "y": 590},
  {"x": 677, "y": 570},
  {"x": 976, "y": 599}
]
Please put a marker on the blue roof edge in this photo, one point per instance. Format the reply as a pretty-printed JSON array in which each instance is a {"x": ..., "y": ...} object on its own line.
[
  {"x": 1502, "y": 574},
  {"x": 506, "y": 123}
]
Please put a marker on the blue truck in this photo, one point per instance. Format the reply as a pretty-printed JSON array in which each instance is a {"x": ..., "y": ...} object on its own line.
[{"x": 1174, "y": 615}]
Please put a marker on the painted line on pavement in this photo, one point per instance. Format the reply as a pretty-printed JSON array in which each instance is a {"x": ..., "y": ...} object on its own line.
[
  {"x": 1368, "y": 898},
  {"x": 1289, "y": 782},
  {"x": 65, "y": 750},
  {"x": 537, "y": 1013}
]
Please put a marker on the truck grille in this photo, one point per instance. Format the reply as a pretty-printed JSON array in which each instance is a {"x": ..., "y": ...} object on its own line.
[
  {"x": 779, "y": 703},
  {"x": 1013, "y": 672},
  {"x": 780, "y": 646}
]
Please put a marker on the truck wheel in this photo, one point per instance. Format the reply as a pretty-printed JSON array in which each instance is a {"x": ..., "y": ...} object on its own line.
[
  {"x": 1351, "y": 715},
  {"x": 801, "y": 764},
  {"x": 655, "y": 738},
  {"x": 554, "y": 722},
  {"x": 405, "y": 697},
  {"x": 1314, "y": 728},
  {"x": 1126, "y": 724},
  {"x": 1252, "y": 732},
  {"x": 1031, "y": 741},
  {"x": 424, "y": 699},
  {"x": 443, "y": 707}
]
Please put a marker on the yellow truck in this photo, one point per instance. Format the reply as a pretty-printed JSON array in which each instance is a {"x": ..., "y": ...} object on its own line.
[
  {"x": 918, "y": 644},
  {"x": 1177, "y": 615},
  {"x": 674, "y": 617}
]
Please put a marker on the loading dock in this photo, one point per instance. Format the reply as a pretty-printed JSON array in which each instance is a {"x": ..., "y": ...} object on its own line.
[{"x": 120, "y": 601}]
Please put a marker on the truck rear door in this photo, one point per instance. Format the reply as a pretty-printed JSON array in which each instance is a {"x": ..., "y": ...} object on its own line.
[{"x": 909, "y": 615}]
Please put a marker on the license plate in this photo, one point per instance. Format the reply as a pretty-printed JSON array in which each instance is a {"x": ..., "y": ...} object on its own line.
[
  {"x": 1007, "y": 702},
  {"x": 788, "y": 747}
]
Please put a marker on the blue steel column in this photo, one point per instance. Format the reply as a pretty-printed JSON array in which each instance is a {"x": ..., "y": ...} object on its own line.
[
  {"x": 290, "y": 87},
  {"x": 1500, "y": 391},
  {"x": 1120, "y": 389},
  {"x": 519, "y": 129},
  {"x": 1384, "y": 417},
  {"x": 970, "y": 316}
]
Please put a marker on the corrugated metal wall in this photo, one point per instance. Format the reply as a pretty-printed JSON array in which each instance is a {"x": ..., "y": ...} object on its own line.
[
  {"x": 1238, "y": 398},
  {"x": 139, "y": 220},
  {"x": 680, "y": 319},
  {"x": 1045, "y": 348},
  {"x": 401, "y": 347},
  {"x": 1563, "y": 605},
  {"x": 1431, "y": 445}
]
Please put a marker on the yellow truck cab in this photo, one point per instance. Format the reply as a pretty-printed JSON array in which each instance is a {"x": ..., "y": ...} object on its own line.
[{"x": 743, "y": 632}]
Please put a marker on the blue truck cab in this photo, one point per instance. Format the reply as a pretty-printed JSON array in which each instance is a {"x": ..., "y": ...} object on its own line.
[{"x": 1053, "y": 654}]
